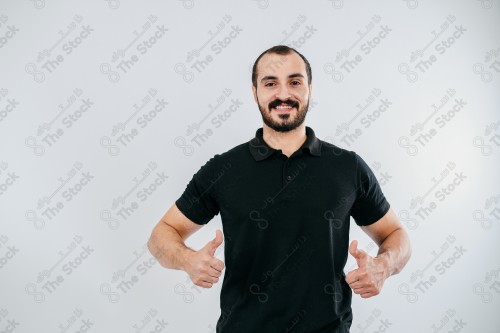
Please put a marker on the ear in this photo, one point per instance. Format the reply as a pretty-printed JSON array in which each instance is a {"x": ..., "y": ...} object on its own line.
[{"x": 254, "y": 90}]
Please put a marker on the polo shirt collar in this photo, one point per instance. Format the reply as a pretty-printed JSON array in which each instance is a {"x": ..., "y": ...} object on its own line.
[{"x": 260, "y": 150}]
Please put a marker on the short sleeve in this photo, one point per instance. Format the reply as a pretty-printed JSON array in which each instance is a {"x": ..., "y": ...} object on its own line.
[
  {"x": 198, "y": 202},
  {"x": 370, "y": 204}
]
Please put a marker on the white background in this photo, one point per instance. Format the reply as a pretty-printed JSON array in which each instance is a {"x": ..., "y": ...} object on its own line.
[{"x": 76, "y": 158}]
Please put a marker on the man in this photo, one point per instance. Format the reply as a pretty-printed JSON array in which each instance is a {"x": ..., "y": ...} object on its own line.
[{"x": 285, "y": 199}]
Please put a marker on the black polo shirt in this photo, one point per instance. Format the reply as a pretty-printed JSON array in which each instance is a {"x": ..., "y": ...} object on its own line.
[{"x": 286, "y": 228}]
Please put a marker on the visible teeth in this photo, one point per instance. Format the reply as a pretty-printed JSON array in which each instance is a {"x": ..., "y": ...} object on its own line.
[{"x": 281, "y": 107}]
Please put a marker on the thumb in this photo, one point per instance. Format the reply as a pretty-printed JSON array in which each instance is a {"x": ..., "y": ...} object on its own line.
[
  {"x": 359, "y": 255},
  {"x": 212, "y": 246}
]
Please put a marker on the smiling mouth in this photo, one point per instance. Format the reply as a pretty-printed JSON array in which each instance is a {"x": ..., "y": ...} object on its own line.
[{"x": 283, "y": 108}]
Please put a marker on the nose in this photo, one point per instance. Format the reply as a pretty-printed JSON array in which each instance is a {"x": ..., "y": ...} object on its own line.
[{"x": 283, "y": 93}]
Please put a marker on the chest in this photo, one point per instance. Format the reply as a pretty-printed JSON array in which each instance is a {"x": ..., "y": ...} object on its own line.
[{"x": 275, "y": 194}]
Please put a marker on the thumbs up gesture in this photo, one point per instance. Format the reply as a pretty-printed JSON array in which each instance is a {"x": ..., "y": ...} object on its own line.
[
  {"x": 367, "y": 280},
  {"x": 202, "y": 266}
]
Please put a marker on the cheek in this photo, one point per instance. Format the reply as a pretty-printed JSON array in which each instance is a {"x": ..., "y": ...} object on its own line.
[
  {"x": 265, "y": 98},
  {"x": 302, "y": 93}
]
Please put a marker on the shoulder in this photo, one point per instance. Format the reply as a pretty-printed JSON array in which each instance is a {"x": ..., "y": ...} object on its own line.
[
  {"x": 350, "y": 162},
  {"x": 232, "y": 154},
  {"x": 224, "y": 159},
  {"x": 338, "y": 154}
]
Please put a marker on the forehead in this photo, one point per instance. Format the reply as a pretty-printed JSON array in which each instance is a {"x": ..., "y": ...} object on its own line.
[{"x": 272, "y": 64}]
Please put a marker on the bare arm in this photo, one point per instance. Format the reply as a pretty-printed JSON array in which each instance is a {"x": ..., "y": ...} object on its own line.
[
  {"x": 166, "y": 244},
  {"x": 393, "y": 254},
  {"x": 392, "y": 240}
]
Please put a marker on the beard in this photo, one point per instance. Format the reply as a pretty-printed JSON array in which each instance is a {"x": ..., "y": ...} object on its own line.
[{"x": 287, "y": 122}]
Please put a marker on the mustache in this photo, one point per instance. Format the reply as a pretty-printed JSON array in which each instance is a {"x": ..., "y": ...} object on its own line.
[{"x": 288, "y": 102}]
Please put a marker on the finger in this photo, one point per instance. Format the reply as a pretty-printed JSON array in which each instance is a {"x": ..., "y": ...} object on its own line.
[
  {"x": 213, "y": 272},
  {"x": 360, "y": 255},
  {"x": 357, "y": 285},
  {"x": 359, "y": 291},
  {"x": 209, "y": 274},
  {"x": 211, "y": 246},
  {"x": 352, "y": 276},
  {"x": 367, "y": 294},
  {"x": 204, "y": 284},
  {"x": 363, "y": 289},
  {"x": 217, "y": 264},
  {"x": 353, "y": 249},
  {"x": 211, "y": 279},
  {"x": 216, "y": 242}
]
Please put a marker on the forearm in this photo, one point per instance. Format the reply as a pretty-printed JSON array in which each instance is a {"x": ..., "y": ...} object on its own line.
[
  {"x": 167, "y": 246},
  {"x": 395, "y": 251}
]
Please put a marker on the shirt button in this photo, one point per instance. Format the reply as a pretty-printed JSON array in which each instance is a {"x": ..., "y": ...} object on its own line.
[{"x": 288, "y": 178}]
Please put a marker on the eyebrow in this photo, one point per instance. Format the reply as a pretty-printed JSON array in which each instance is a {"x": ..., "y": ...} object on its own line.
[{"x": 271, "y": 77}]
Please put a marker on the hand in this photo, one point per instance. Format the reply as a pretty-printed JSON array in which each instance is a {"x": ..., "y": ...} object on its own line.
[
  {"x": 367, "y": 280},
  {"x": 202, "y": 267}
]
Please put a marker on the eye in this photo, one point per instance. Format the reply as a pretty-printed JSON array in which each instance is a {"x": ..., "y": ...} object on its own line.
[
  {"x": 295, "y": 83},
  {"x": 269, "y": 84}
]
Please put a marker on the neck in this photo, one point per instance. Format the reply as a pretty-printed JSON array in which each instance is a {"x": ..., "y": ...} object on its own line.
[{"x": 288, "y": 142}]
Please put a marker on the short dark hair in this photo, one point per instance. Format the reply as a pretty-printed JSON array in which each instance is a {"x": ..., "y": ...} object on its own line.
[{"x": 281, "y": 50}]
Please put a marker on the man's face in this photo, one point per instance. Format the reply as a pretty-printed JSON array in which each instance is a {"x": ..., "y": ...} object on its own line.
[{"x": 283, "y": 91}]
